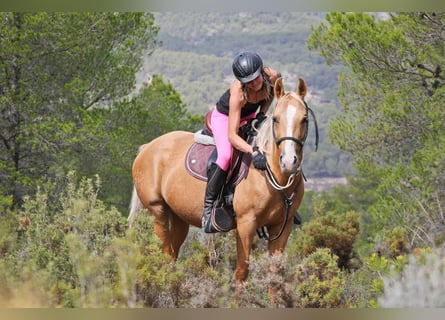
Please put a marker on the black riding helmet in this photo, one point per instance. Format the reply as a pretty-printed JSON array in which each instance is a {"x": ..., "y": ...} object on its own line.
[{"x": 247, "y": 66}]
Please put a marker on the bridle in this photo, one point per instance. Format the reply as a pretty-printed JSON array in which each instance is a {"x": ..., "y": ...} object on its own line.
[
  {"x": 302, "y": 141},
  {"x": 298, "y": 141},
  {"x": 288, "y": 201},
  {"x": 270, "y": 176}
]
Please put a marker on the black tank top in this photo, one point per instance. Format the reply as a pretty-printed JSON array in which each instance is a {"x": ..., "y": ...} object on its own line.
[{"x": 223, "y": 105}]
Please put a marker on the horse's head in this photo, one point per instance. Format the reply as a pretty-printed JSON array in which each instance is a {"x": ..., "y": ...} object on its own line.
[{"x": 290, "y": 125}]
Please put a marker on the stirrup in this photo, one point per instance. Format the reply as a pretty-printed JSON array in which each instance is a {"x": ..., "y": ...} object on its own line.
[
  {"x": 220, "y": 221},
  {"x": 207, "y": 225}
]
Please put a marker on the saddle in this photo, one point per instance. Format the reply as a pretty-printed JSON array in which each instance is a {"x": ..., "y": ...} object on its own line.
[
  {"x": 201, "y": 155},
  {"x": 199, "y": 158}
]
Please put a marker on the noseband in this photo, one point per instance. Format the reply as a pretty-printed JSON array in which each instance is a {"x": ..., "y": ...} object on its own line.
[{"x": 279, "y": 140}]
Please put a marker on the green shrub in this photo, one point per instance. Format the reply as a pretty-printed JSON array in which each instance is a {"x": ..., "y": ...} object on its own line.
[
  {"x": 335, "y": 231},
  {"x": 202, "y": 284},
  {"x": 391, "y": 243},
  {"x": 320, "y": 283},
  {"x": 157, "y": 277},
  {"x": 66, "y": 249},
  {"x": 9, "y": 228},
  {"x": 63, "y": 255}
]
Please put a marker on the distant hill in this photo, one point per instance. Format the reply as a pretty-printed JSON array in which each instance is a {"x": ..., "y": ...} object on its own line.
[{"x": 197, "y": 52}]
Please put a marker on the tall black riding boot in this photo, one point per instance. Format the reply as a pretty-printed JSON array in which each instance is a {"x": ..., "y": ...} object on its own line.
[{"x": 215, "y": 182}]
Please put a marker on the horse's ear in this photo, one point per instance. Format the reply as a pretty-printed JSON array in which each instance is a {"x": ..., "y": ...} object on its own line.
[
  {"x": 301, "y": 88},
  {"x": 279, "y": 88}
]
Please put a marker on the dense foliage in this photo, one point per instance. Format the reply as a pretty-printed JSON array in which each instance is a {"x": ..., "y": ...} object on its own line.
[
  {"x": 65, "y": 80},
  {"x": 55, "y": 67},
  {"x": 81, "y": 254},
  {"x": 391, "y": 122}
]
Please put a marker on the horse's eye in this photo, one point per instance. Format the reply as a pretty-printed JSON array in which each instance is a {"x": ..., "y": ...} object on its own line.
[{"x": 275, "y": 120}]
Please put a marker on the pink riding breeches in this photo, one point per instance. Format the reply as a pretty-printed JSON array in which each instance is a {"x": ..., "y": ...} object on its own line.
[{"x": 220, "y": 129}]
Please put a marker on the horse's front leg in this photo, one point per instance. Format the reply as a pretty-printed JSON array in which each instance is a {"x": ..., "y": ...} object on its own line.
[
  {"x": 277, "y": 246},
  {"x": 246, "y": 231}
]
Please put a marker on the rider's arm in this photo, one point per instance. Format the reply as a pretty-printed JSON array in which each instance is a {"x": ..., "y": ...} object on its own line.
[{"x": 235, "y": 105}]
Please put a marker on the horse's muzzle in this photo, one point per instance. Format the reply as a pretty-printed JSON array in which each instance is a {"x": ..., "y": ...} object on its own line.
[{"x": 289, "y": 162}]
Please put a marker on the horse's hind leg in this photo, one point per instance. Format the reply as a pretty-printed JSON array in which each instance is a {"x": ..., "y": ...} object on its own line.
[
  {"x": 178, "y": 232},
  {"x": 161, "y": 226},
  {"x": 169, "y": 228}
]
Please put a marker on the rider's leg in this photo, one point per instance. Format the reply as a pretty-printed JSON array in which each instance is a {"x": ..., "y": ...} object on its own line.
[
  {"x": 217, "y": 174},
  {"x": 220, "y": 128},
  {"x": 215, "y": 183}
]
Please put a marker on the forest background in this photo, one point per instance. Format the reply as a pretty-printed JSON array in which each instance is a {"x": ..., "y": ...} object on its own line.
[{"x": 81, "y": 91}]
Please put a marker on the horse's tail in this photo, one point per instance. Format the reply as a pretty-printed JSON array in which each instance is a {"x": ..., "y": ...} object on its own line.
[
  {"x": 135, "y": 203},
  {"x": 135, "y": 207}
]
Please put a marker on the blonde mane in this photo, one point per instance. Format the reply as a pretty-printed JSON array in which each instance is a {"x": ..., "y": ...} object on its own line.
[{"x": 265, "y": 135}]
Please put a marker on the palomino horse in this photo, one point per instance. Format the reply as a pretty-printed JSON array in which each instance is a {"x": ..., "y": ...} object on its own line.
[{"x": 265, "y": 200}]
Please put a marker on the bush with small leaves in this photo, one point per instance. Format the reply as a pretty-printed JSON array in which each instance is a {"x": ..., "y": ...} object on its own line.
[
  {"x": 397, "y": 242},
  {"x": 158, "y": 277},
  {"x": 66, "y": 249},
  {"x": 320, "y": 283},
  {"x": 337, "y": 232}
]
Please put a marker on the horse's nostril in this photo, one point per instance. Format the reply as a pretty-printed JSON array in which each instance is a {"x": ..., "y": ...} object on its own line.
[{"x": 295, "y": 159}]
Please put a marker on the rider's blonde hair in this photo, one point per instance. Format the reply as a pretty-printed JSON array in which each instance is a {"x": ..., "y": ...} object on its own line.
[{"x": 265, "y": 88}]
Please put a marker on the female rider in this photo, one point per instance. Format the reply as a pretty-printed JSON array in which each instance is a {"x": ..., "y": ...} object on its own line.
[{"x": 251, "y": 91}]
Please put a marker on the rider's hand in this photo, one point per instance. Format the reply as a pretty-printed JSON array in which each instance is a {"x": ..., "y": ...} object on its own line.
[{"x": 259, "y": 160}]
